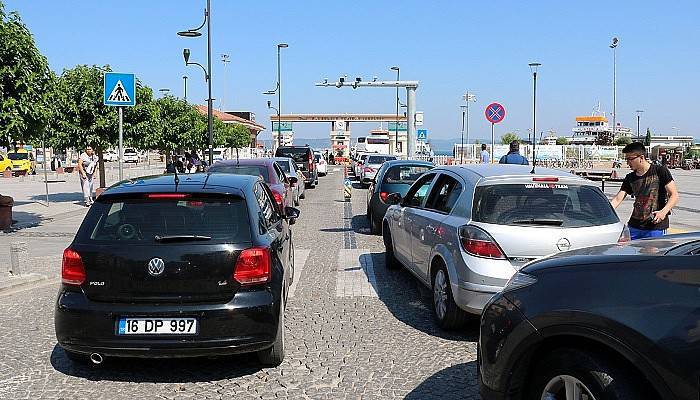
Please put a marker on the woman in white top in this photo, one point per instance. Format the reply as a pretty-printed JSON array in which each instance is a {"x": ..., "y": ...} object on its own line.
[{"x": 87, "y": 164}]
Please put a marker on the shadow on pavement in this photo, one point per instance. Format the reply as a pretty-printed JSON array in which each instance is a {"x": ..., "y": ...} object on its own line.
[
  {"x": 360, "y": 224},
  {"x": 23, "y": 220},
  {"x": 71, "y": 197},
  {"x": 160, "y": 370},
  {"x": 335, "y": 230},
  {"x": 455, "y": 382}
]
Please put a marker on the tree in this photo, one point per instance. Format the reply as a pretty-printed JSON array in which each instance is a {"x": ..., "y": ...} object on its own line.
[
  {"x": 25, "y": 82},
  {"x": 236, "y": 136},
  {"x": 178, "y": 125},
  {"x": 623, "y": 141},
  {"x": 509, "y": 137},
  {"x": 647, "y": 141},
  {"x": 562, "y": 141}
]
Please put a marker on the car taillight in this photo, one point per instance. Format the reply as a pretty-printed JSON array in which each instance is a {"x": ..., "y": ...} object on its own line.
[
  {"x": 369, "y": 169},
  {"x": 311, "y": 162},
  {"x": 546, "y": 179},
  {"x": 384, "y": 196},
  {"x": 253, "y": 266},
  {"x": 625, "y": 235},
  {"x": 72, "y": 269},
  {"x": 278, "y": 198},
  {"x": 167, "y": 195},
  {"x": 477, "y": 242}
]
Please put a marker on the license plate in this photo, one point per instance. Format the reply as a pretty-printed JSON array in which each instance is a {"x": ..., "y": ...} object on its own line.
[{"x": 157, "y": 326}]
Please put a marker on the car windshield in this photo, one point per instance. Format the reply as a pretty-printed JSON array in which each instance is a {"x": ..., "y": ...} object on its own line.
[
  {"x": 131, "y": 151},
  {"x": 379, "y": 159},
  {"x": 18, "y": 156},
  {"x": 253, "y": 170},
  {"x": 542, "y": 203},
  {"x": 139, "y": 220},
  {"x": 298, "y": 154}
]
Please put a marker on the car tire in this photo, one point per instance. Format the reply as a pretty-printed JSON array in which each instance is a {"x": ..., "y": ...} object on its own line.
[
  {"x": 594, "y": 373},
  {"x": 296, "y": 201},
  {"x": 274, "y": 355},
  {"x": 374, "y": 226},
  {"x": 447, "y": 314},
  {"x": 302, "y": 195},
  {"x": 390, "y": 260}
]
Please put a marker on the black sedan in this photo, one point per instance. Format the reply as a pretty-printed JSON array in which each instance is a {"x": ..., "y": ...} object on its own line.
[
  {"x": 166, "y": 268},
  {"x": 394, "y": 176},
  {"x": 606, "y": 322}
]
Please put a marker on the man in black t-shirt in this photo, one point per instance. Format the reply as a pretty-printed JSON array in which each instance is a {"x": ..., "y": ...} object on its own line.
[{"x": 654, "y": 193}]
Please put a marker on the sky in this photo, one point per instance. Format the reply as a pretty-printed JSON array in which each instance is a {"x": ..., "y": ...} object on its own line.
[{"x": 448, "y": 46}]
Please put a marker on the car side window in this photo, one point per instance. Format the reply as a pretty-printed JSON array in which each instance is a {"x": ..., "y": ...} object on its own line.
[
  {"x": 281, "y": 177},
  {"x": 444, "y": 195},
  {"x": 267, "y": 209},
  {"x": 416, "y": 194}
]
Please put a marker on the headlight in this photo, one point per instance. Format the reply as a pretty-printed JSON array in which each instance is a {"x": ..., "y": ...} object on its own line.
[{"x": 518, "y": 281}]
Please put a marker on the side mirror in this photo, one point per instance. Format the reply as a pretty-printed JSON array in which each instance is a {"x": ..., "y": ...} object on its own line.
[
  {"x": 293, "y": 179},
  {"x": 291, "y": 213},
  {"x": 394, "y": 198}
]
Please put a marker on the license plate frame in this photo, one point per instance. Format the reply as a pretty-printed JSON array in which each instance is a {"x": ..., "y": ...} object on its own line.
[{"x": 156, "y": 326}]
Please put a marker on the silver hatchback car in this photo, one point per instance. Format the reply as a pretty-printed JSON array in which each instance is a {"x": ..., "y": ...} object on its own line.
[{"x": 465, "y": 230}]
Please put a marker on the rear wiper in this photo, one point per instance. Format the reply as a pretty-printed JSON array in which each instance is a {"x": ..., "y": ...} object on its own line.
[
  {"x": 180, "y": 238},
  {"x": 542, "y": 221}
]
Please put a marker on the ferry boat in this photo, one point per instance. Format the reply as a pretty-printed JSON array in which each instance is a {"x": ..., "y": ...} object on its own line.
[{"x": 595, "y": 129}]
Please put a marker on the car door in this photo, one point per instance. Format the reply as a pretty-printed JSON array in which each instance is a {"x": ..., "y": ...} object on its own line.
[
  {"x": 426, "y": 220},
  {"x": 415, "y": 197},
  {"x": 282, "y": 178},
  {"x": 274, "y": 226}
]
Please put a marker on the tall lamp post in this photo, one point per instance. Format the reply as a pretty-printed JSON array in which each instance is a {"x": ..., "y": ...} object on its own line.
[
  {"x": 467, "y": 97},
  {"x": 639, "y": 113},
  {"x": 613, "y": 46},
  {"x": 533, "y": 68},
  {"x": 184, "y": 78},
  {"x": 224, "y": 59},
  {"x": 207, "y": 72},
  {"x": 278, "y": 90},
  {"x": 396, "y": 126}
]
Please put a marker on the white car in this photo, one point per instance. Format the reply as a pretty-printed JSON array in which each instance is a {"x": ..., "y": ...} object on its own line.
[
  {"x": 371, "y": 165},
  {"x": 130, "y": 155},
  {"x": 110, "y": 155},
  {"x": 321, "y": 165}
]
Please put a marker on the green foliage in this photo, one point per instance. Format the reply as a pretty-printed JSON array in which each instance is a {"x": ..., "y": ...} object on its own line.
[
  {"x": 562, "y": 140},
  {"x": 623, "y": 141},
  {"x": 647, "y": 140},
  {"x": 178, "y": 125},
  {"x": 236, "y": 136},
  {"x": 509, "y": 137},
  {"x": 25, "y": 82}
]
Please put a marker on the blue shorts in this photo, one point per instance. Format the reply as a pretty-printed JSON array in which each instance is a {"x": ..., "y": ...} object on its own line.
[{"x": 645, "y": 233}]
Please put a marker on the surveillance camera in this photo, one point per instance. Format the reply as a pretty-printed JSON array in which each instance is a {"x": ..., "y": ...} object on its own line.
[
  {"x": 269, "y": 104},
  {"x": 354, "y": 85},
  {"x": 342, "y": 79},
  {"x": 325, "y": 80},
  {"x": 338, "y": 84},
  {"x": 358, "y": 79},
  {"x": 374, "y": 79}
]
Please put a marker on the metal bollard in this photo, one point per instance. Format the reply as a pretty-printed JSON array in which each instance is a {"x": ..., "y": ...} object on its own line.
[
  {"x": 602, "y": 185},
  {"x": 347, "y": 189},
  {"x": 18, "y": 257}
]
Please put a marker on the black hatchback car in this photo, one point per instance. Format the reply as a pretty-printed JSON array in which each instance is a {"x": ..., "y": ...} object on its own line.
[
  {"x": 164, "y": 269},
  {"x": 606, "y": 322}
]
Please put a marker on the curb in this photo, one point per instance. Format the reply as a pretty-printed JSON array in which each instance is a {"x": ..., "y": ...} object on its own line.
[{"x": 15, "y": 283}]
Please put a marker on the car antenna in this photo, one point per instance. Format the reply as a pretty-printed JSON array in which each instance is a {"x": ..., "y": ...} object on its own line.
[{"x": 177, "y": 179}]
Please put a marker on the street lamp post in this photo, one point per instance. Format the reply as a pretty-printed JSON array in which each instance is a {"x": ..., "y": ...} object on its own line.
[
  {"x": 396, "y": 125},
  {"x": 461, "y": 145},
  {"x": 613, "y": 45},
  {"x": 467, "y": 97},
  {"x": 639, "y": 113},
  {"x": 207, "y": 73},
  {"x": 184, "y": 78},
  {"x": 533, "y": 68},
  {"x": 224, "y": 59},
  {"x": 278, "y": 90}
]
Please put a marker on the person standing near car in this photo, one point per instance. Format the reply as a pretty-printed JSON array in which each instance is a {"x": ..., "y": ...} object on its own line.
[
  {"x": 513, "y": 156},
  {"x": 485, "y": 156},
  {"x": 87, "y": 164},
  {"x": 654, "y": 191}
]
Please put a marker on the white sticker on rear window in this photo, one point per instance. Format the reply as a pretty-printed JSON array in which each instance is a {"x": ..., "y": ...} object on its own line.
[{"x": 546, "y": 186}]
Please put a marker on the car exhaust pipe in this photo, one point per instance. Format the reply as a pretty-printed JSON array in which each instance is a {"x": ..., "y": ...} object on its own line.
[{"x": 96, "y": 358}]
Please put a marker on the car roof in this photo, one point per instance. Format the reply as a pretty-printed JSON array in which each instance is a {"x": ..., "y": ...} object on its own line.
[
  {"x": 509, "y": 171},
  {"x": 246, "y": 161},
  {"x": 190, "y": 183},
  {"x": 392, "y": 163}
]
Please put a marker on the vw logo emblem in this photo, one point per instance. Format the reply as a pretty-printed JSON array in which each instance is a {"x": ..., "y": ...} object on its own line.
[
  {"x": 563, "y": 244},
  {"x": 156, "y": 266}
]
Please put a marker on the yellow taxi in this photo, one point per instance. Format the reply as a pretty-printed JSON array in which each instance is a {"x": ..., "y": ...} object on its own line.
[
  {"x": 5, "y": 163},
  {"x": 22, "y": 161}
]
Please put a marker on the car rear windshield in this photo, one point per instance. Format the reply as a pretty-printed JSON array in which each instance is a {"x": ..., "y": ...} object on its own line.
[
  {"x": 298, "y": 154},
  {"x": 539, "y": 203},
  {"x": 148, "y": 220},
  {"x": 18, "y": 156},
  {"x": 284, "y": 165},
  {"x": 252, "y": 170},
  {"x": 379, "y": 159}
]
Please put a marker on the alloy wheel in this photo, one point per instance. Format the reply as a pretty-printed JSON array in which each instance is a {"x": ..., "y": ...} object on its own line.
[
  {"x": 440, "y": 294},
  {"x": 566, "y": 387}
]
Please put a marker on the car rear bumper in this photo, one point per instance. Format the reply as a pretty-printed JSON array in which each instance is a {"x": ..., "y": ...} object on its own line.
[
  {"x": 472, "y": 297},
  {"x": 247, "y": 323}
]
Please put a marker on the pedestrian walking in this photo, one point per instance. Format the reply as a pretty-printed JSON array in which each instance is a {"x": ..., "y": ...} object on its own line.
[
  {"x": 654, "y": 191},
  {"x": 513, "y": 156},
  {"x": 87, "y": 164},
  {"x": 485, "y": 156}
]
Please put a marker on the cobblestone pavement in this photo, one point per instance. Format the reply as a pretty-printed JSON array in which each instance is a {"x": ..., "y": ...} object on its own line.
[{"x": 354, "y": 330}]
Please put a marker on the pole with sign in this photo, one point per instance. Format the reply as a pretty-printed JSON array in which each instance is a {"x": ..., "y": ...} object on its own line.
[
  {"x": 120, "y": 91},
  {"x": 495, "y": 113}
]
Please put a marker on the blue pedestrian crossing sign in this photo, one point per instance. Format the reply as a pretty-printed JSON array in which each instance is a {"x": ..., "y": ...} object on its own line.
[
  {"x": 119, "y": 89},
  {"x": 422, "y": 134}
]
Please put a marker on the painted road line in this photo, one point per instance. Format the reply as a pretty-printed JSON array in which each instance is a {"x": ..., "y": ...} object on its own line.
[
  {"x": 355, "y": 277},
  {"x": 676, "y": 230},
  {"x": 300, "y": 257}
]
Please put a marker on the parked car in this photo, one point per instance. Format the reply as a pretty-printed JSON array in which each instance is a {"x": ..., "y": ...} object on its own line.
[
  {"x": 394, "y": 176},
  {"x": 22, "y": 162},
  {"x": 357, "y": 164},
  {"x": 606, "y": 322},
  {"x": 321, "y": 164},
  {"x": 304, "y": 157},
  {"x": 130, "y": 155},
  {"x": 160, "y": 269},
  {"x": 110, "y": 155},
  {"x": 290, "y": 169},
  {"x": 5, "y": 163},
  {"x": 465, "y": 230},
  {"x": 371, "y": 166},
  {"x": 268, "y": 169}
]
